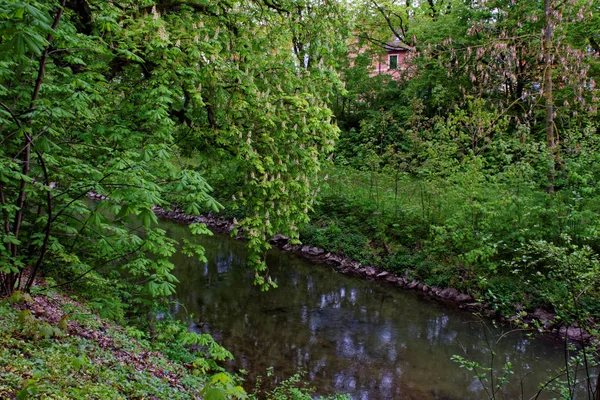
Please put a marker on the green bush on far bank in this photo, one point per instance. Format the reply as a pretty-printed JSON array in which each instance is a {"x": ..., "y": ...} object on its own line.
[{"x": 464, "y": 231}]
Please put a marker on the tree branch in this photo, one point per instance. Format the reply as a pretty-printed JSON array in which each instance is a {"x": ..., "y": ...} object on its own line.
[
  {"x": 26, "y": 158},
  {"x": 38, "y": 263},
  {"x": 389, "y": 22}
]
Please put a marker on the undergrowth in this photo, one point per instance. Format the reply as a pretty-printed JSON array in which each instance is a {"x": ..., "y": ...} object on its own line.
[{"x": 52, "y": 347}]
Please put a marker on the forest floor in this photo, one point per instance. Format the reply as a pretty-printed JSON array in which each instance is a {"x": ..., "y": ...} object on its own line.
[{"x": 53, "y": 346}]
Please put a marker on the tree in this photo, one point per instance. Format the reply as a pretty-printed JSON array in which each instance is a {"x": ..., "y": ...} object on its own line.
[
  {"x": 101, "y": 96},
  {"x": 527, "y": 62}
]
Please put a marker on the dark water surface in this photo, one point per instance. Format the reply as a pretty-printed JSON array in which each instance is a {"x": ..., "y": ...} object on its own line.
[{"x": 350, "y": 335}]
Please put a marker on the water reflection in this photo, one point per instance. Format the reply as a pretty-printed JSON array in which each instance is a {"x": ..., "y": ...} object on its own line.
[{"x": 353, "y": 336}]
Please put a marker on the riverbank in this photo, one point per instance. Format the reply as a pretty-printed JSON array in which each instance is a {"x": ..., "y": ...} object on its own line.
[{"x": 539, "y": 319}]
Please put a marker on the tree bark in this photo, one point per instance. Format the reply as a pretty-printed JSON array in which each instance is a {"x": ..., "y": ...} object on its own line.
[
  {"x": 11, "y": 279},
  {"x": 28, "y": 139},
  {"x": 548, "y": 94}
]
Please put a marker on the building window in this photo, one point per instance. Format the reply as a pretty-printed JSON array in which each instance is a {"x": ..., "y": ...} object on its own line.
[{"x": 393, "y": 61}]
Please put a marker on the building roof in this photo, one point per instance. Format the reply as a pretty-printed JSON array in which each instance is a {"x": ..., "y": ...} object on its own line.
[{"x": 396, "y": 45}]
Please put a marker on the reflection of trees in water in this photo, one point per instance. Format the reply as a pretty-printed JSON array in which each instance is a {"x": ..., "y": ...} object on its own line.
[{"x": 348, "y": 334}]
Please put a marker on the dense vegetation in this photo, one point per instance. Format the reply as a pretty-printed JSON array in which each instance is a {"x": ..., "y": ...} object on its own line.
[
  {"x": 106, "y": 96},
  {"x": 478, "y": 168}
]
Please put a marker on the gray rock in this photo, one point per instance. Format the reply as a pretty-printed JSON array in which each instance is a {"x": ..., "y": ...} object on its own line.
[
  {"x": 574, "y": 333},
  {"x": 463, "y": 298},
  {"x": 333, "y": 259},
  {"x": 544, "y": 315},
  {"x": 383, "y": 274},
  {"x": 280, "y": 238},
  {"x": 449, "y": 294},
  {"x": 315, "y": 251}
]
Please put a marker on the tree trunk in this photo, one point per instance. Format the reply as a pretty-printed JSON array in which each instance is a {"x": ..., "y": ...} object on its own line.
[
  {"x": 10, "y": 279},
  {"x": 548, "y": 94}
]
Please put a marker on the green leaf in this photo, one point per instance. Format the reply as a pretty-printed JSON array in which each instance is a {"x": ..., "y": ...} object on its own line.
[
  {"x": 45, "y": 330},
  {"x": 200, "y": 229},
  {"x": 25, "y": 317},
  {"x": 148, "y": 217},
  {"x": 20, "y": 297},
  {"x": 214, "y": 393}
]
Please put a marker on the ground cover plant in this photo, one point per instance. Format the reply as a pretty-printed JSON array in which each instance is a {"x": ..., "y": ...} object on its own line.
[{"x": 55, "y": 347}]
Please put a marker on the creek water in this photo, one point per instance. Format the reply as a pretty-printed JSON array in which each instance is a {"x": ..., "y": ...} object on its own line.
[{"x": 367, "y": 339}]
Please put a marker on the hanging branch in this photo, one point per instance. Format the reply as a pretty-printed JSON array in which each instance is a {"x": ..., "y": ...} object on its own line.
[{"x": 400, "y": 35}]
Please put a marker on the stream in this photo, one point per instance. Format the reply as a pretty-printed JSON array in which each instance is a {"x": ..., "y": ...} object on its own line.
[{"x": 367, "y": 339}]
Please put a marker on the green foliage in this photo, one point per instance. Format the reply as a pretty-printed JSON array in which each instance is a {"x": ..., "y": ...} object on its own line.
[
  {"x": 292, "y": 388},
  {"x": 223, "y": 386},
  {"x": 339, "y": 240},
  {"x": 39, "y": 361},
  {"x": 568, "y": 381},
  {"x": 467, "y": 229},
  {"x": 208, "y": 353},
  {"x": 443, "y": 170},
  {"x": 492, "y": 381},
  {"x": 563, "y": 275},
  {"x": 106, "y": 97},
  {"x": 79, "y": 136},
  {"x": 18, "y": 297}
]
